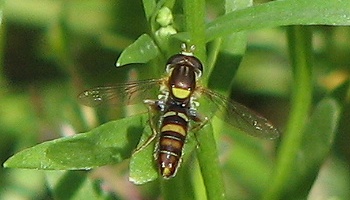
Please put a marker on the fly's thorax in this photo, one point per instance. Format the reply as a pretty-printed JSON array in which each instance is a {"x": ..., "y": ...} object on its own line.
[{"x": 182, "y": 83}]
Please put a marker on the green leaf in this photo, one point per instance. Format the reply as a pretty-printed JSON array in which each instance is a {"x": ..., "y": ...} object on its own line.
[
  {"x": 142, "y": 164},
  {"x": 142, "y": 50},
  {"x": 109, "y": 143},
  {"x": 229, "y": 59},
  {"x": 149, "y": 7},
  {"x": 281, "y": 13},
  {"x": 247, "y": 160},
  {"x": 317, "y": 141},
  {"x": 300, "y": 53},
  {"x": 229, "y": 56}
]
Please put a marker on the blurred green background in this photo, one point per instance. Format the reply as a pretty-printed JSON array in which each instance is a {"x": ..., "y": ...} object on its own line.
[{"x": 53, "y": 50}]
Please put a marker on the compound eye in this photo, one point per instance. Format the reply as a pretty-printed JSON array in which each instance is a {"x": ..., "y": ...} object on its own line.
[
  {"x": 174, "y": 60},
  {"x": 187, "y": 60},
  {"x": 198, "y": 66}
]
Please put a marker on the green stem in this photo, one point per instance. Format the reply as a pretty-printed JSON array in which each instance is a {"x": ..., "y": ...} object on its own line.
[
  {"x": 300, "y": 52},
  {"x": 209, "y": 164},
  {"x": 194, "y": 11}
]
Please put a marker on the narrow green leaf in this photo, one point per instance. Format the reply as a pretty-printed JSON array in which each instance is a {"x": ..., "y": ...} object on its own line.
[
  {"x": 149, "y": 7},
  {"x": 229, "y": 56},
  {"x": 300, "y": 53},
  {"x": 142, "y": 50},
  {"x": 281, "y": 13},
  {"x": 317, "y": 141},
  {"x": 209, "y": 164},
  {"x": 247, "y": 159},
  {"x": 109, "y": 143}
]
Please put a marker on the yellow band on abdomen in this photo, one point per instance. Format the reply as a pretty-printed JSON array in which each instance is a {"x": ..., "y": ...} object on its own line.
[{"x": 174, "y": 127}]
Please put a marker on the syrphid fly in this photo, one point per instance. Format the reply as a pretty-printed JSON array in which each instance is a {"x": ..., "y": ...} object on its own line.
[{"x": 178, "y": 108}]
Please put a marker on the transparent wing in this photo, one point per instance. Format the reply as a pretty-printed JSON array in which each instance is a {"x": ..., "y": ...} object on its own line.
[
  {"x": 237, "y": 115},
  {"x": 122, "y": 94}
]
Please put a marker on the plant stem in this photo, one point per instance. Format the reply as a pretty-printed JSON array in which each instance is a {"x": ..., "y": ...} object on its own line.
[
  {"x": 194, "y": 11},
  {"x": 194, "y": 21},
  {"x": 300, "y": 53},
  {"x": 209, "y": 164}
]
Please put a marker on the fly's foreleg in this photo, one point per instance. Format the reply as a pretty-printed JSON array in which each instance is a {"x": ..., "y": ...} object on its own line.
[
  {"x": 153, "y": 107},
  {"x": 200, "y": 122}
]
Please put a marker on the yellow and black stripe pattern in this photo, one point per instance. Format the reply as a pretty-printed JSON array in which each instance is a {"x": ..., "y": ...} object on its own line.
[
  {"x": 183, "y": 72},
  {"x": 172, "y": 137}
]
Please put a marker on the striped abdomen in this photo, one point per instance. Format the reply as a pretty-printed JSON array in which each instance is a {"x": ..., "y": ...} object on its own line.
[{"x": 172, "y": 137}]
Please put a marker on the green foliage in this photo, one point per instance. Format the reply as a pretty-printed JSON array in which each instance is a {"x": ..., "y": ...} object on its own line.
[
  {"x": 70, "y": 45},
  {"x": 280, "y": 13},
  {"x": 95, "y": 148},
  {"x": 141, "y": 51}
]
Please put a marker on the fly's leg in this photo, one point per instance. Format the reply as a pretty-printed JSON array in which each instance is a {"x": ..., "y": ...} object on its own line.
[
  {"x": 153, "y": 107},
  {"x": 199, "y": 119},
  {"x": 200, "y": 122}
]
